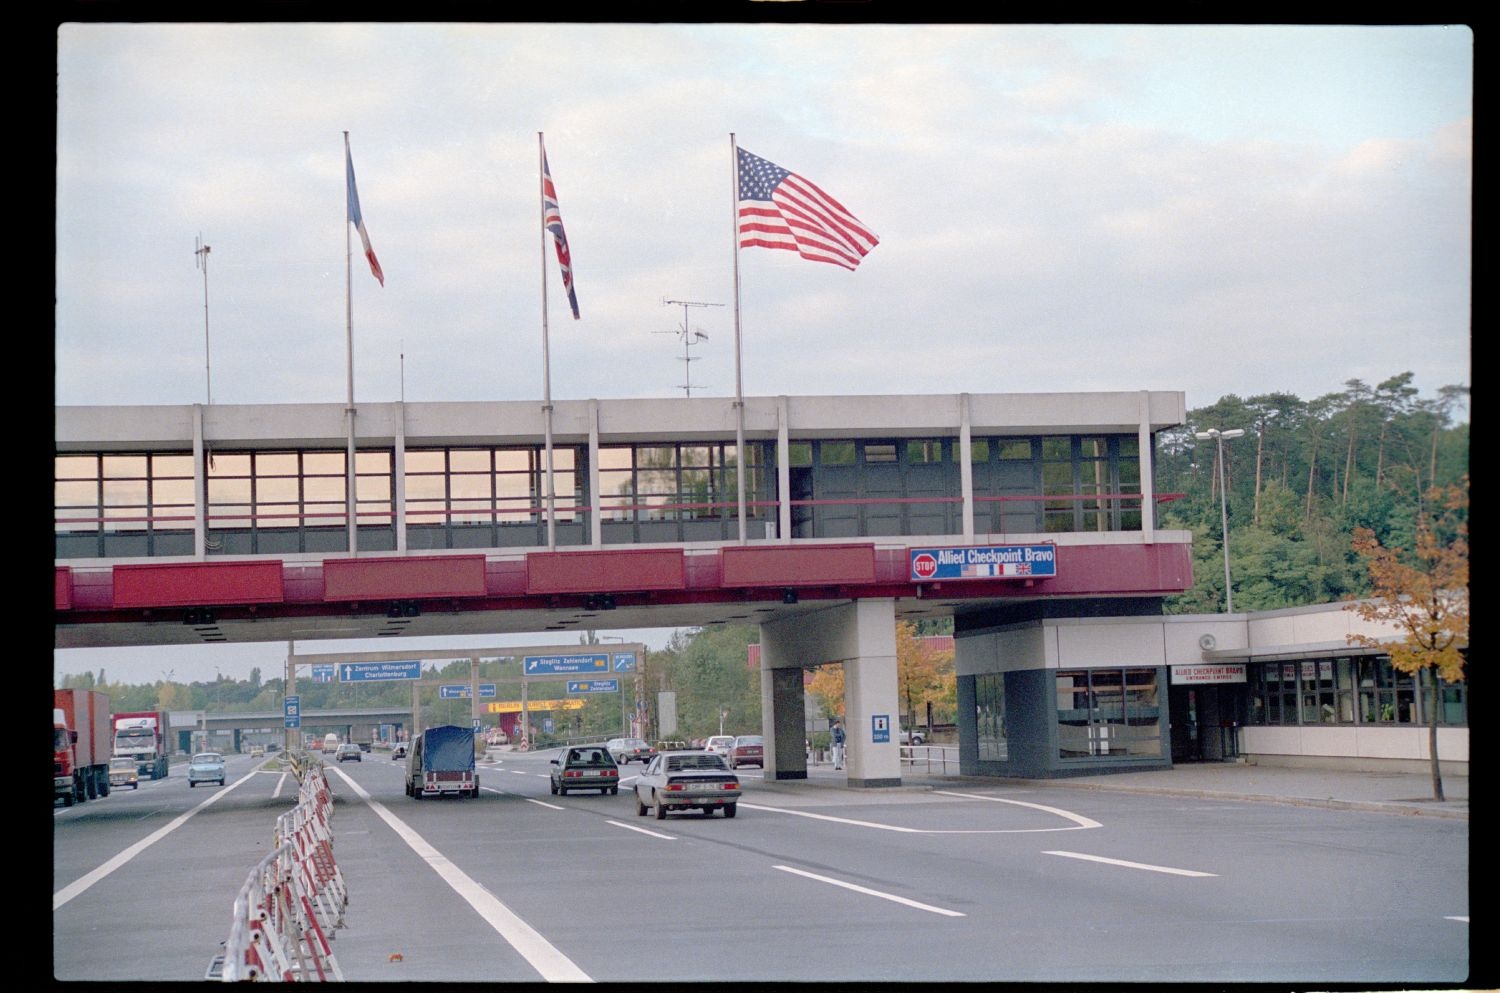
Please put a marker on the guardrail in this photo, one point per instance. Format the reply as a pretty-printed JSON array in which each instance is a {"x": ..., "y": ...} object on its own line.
[
  {"x": 939, "y": 760},
  {"x": 293, "y": 900}
]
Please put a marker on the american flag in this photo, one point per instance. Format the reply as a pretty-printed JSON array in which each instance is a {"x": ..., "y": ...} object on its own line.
[
  {"x": 780, "y": 209},
  {"x": 552, "y": 219}
]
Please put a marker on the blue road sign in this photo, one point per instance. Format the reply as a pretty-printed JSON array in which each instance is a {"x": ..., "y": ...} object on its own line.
[
  {"x": 593, "y": 686},
  {"x": 292, "y": 709},
  {"x": 323, "y": 673},
  {"x": 625, "y": 662},
  {"x": 984, "y": 562},
  {"x": 564, "y": 665},
  {"x": 366, "y": 672},
  {"x": 460, "y": 691},
  {"x": 880, "y": 728}
]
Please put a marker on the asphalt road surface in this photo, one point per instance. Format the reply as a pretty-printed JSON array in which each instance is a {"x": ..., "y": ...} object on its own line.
[{"x": 808, "y": 883}]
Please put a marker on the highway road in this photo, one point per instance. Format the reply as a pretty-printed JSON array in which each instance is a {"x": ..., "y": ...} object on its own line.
[{"x": 989, "y": 882}]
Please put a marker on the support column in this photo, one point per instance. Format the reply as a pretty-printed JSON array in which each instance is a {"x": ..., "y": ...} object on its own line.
[
  {"x": 861, "y": 635},
  {"x": 871, "y": 697}
]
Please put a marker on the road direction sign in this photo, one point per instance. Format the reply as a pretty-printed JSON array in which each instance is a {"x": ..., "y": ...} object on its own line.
[
  {"x": 564, "y": 665},
  {"x": 593, "y": 686},
  {"x": 624, "y": 661},
  {"x": 366, "y": 672},
  {"x": 292, "y": 710},
  {"x": 323, "y": 672},
  {"x": 460, "y": 691}
]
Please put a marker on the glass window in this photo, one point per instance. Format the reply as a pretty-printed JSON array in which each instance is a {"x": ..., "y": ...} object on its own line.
[
  {"x": 979, "y": 450},
  {"x": 989, "y": 703},
  {"x": 880, "y": 453},
  {"x": 836, "y": 453},
  {"x": 1013, "y": 449},
  {"x": 799, "y": 453}
]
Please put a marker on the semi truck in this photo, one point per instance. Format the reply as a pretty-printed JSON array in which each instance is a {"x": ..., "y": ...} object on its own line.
[
  {"x": 440, "y": 762},
  {"x": 143, "y": 736},
  {"x": 80, "y": 745}
]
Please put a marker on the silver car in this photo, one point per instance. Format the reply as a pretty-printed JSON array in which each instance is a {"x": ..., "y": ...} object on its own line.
[
  {"x": 687, "y": 780},
  {"x": 206, "y": 767}
]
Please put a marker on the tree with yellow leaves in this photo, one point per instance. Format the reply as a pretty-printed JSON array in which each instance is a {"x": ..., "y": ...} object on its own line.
[
  {"x": 923, "y": 675},
  {"x": 1424, "y": 593}
]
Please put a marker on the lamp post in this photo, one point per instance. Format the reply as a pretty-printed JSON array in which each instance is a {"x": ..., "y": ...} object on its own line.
[{"x": 1218, "y": 437}]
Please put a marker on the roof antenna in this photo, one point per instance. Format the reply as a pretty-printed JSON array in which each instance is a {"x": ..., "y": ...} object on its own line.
[{"x": 690, "y": 337}]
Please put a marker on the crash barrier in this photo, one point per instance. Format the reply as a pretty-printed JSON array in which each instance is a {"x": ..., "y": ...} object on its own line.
[
  {"x": 941, "y": 760},
  {"x": 294, "y": 899}
]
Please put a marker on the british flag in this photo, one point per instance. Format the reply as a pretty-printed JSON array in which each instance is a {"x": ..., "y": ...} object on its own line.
[{"x": 552, "y": 220}]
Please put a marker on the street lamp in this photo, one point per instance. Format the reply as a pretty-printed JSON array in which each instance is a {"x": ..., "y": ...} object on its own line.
[{"x": 1218, "y": 437}]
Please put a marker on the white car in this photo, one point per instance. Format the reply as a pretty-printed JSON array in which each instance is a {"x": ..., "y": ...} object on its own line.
[
  {"x": 913, "y": 737},
  {"x": 719, "y": 744}
]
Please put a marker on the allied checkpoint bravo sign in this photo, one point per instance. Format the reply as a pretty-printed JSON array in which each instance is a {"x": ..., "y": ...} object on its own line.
[{"x": 984, "y": 562}]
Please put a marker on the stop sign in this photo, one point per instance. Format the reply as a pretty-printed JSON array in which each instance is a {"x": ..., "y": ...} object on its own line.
[{"x": 924, "y": 565}]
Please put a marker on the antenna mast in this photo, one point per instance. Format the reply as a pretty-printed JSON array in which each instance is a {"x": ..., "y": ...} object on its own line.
[
  {"x": 689, "y": 338},
  {"x": 200, "y": 260}
]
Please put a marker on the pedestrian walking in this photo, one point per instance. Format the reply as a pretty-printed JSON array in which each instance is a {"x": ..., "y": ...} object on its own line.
[{"x": 838, "y": 745}]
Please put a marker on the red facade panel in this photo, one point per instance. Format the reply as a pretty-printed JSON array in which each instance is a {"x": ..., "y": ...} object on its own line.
[
  {"x": 62, "y": 589},
  {"x": 614, "y": 571},
  {"x": 196, "y": 584},
  {"x": 816, "y": 565},
  {"x": 404, "y": 578}
]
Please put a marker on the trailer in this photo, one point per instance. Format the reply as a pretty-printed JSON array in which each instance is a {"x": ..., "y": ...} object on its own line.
[
  {"x": 441, "y": 763},
  {"x": 80, "y": 745}
]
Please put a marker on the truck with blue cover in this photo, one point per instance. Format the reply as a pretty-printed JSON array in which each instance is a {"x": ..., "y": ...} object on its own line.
[{"x": 440, "y": 762}]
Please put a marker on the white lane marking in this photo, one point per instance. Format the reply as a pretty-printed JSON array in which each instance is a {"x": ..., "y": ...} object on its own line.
[
  {"x": 869, "y": 892},
  {"x": 1461, "y": 920},
  {"x": 632, "y": 827},
  {"x": 544, "y": 957},
  {"x": 1081, "y": 821},
  {"x": 1131, "y": 865},
  {"x": 83, "y": 882}
]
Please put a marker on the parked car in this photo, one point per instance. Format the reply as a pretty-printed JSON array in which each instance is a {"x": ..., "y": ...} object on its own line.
[
  {"x": 348, "y": 751},
  {"x": 913, "y": 737},
  {"x": 206, "y": 767},
  {"x": 627, "y": 750},
  {"x": 586, "y": 767},
  {"x": 122, "y": 772},
  {"x": 719, "y": 744},
  {"x": 748, "y": 749},
  {"x": 685, "y": 781}
]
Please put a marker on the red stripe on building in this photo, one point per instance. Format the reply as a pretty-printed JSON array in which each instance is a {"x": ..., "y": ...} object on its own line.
[
  {"x": 404, "y": 578},
  {"x": 196, "y": 584}
]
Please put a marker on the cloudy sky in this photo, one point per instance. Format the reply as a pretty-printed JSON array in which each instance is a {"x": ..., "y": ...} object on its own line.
[{"x": 1220, "y": 209}]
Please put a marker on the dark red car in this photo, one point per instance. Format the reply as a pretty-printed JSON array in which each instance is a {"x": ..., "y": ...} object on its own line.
[{"x": 748, "y": 749}]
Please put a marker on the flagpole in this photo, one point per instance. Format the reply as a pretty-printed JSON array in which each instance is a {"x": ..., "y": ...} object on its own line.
[
  {"x": 739, "y": 393},
  {"x": 349, "y": 475},
  {"x": 541, "y": 170}
]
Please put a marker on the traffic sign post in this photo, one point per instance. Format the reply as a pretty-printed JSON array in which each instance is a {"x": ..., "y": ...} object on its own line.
[
  {"x": 460, "y": 691},
  {"x": 593, "y": 686},
  {"x": 292, "y": 711}
]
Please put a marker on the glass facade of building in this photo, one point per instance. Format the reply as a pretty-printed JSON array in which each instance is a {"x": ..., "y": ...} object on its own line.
[
  {"x": 1363, "y": 689},
  {"x": 284, "y": 501}
]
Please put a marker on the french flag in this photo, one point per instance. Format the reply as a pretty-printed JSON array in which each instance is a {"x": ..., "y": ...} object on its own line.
[{"x": 356, "y": 218}]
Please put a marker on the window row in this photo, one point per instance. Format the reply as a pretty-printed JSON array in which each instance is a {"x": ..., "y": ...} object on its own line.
[
  {"x": 1351, "y": 690},
  {"x": 142, "y": 504}
]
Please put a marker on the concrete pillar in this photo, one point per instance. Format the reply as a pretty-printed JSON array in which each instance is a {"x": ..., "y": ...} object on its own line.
[{"x": 862, "y": 636}]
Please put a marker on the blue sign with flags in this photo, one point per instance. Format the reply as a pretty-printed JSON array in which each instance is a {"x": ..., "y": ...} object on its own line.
[
  {"x": 292, "y": 709},
  {"x": 457, "y": 691},
  {"x": 368, "y": 672},
  {"x": 625, "y": 662},
  {"x": 322, "y": 673},
  {"x": 564, "y": 665},
  {"x": 984, "y": 562},
  {"x": 593, "y": 686}
]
